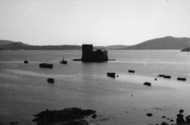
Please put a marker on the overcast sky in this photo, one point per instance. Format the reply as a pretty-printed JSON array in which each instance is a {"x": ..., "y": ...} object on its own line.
[{"x": 102, "y": 22}]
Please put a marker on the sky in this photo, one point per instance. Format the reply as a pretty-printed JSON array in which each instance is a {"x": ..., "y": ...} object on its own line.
[{"x": 101, "y": 22}]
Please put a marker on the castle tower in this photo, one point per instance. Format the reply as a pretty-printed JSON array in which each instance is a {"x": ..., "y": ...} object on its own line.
[{"x": 87, "y": 52}]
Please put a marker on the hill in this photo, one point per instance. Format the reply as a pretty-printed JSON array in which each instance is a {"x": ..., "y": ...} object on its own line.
[
  {"x": 163, "y": 43},
  {"x": 5, "y": 42},
  {"x": 186, "y": 49},
  {"x": 116, "y": 47},
  {"x": 168, "y": 42},
  {"x": 11, "y": 45}
]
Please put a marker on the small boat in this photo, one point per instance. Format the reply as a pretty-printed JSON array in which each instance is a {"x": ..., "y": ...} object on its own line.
[
  {"x": 46, "y": 65},
  {"x": 50, "y": 80},
  {"x": 63, "y": 61},
  {"x": 111, "y": 74},
  {"x": 131, "y": 71},
  {"x": 147, "y": 84},
  {"x": 181, "y": 79}
]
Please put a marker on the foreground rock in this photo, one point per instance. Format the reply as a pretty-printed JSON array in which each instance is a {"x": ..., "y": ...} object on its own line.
[
  {"x": 180, "y": 120},
  {"x": 67, "y": 116}
]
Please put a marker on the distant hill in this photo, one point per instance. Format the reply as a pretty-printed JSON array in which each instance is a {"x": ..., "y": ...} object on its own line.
[
  {"x": 168, "y": 42},
  {"x": 163, "y": 43},
  {"x": 186, "y": 49},
  {"x": 116, "y": 47},
  {"x": 11, "y": 45},
  {"x": 5, "y": 42}
]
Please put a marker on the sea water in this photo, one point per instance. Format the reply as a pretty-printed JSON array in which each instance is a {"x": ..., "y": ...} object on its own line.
[{"x": 24, "y": 90}]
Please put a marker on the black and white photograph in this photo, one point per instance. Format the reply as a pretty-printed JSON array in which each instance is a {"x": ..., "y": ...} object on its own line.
[{"x": 94, "y": 62}]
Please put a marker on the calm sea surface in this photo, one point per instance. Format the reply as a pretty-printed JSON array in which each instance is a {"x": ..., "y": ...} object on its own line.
[{"x": 124, "y": 100}]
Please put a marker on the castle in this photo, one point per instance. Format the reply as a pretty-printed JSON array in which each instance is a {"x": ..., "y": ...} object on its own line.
[{"x": 91, "y": 55}]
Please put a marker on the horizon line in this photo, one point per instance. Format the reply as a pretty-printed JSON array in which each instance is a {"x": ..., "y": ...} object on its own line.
[{"x": 19, "y": 41}]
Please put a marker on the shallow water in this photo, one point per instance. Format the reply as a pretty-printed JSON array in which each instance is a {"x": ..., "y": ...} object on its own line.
[{"x": 124, "y": 100}]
